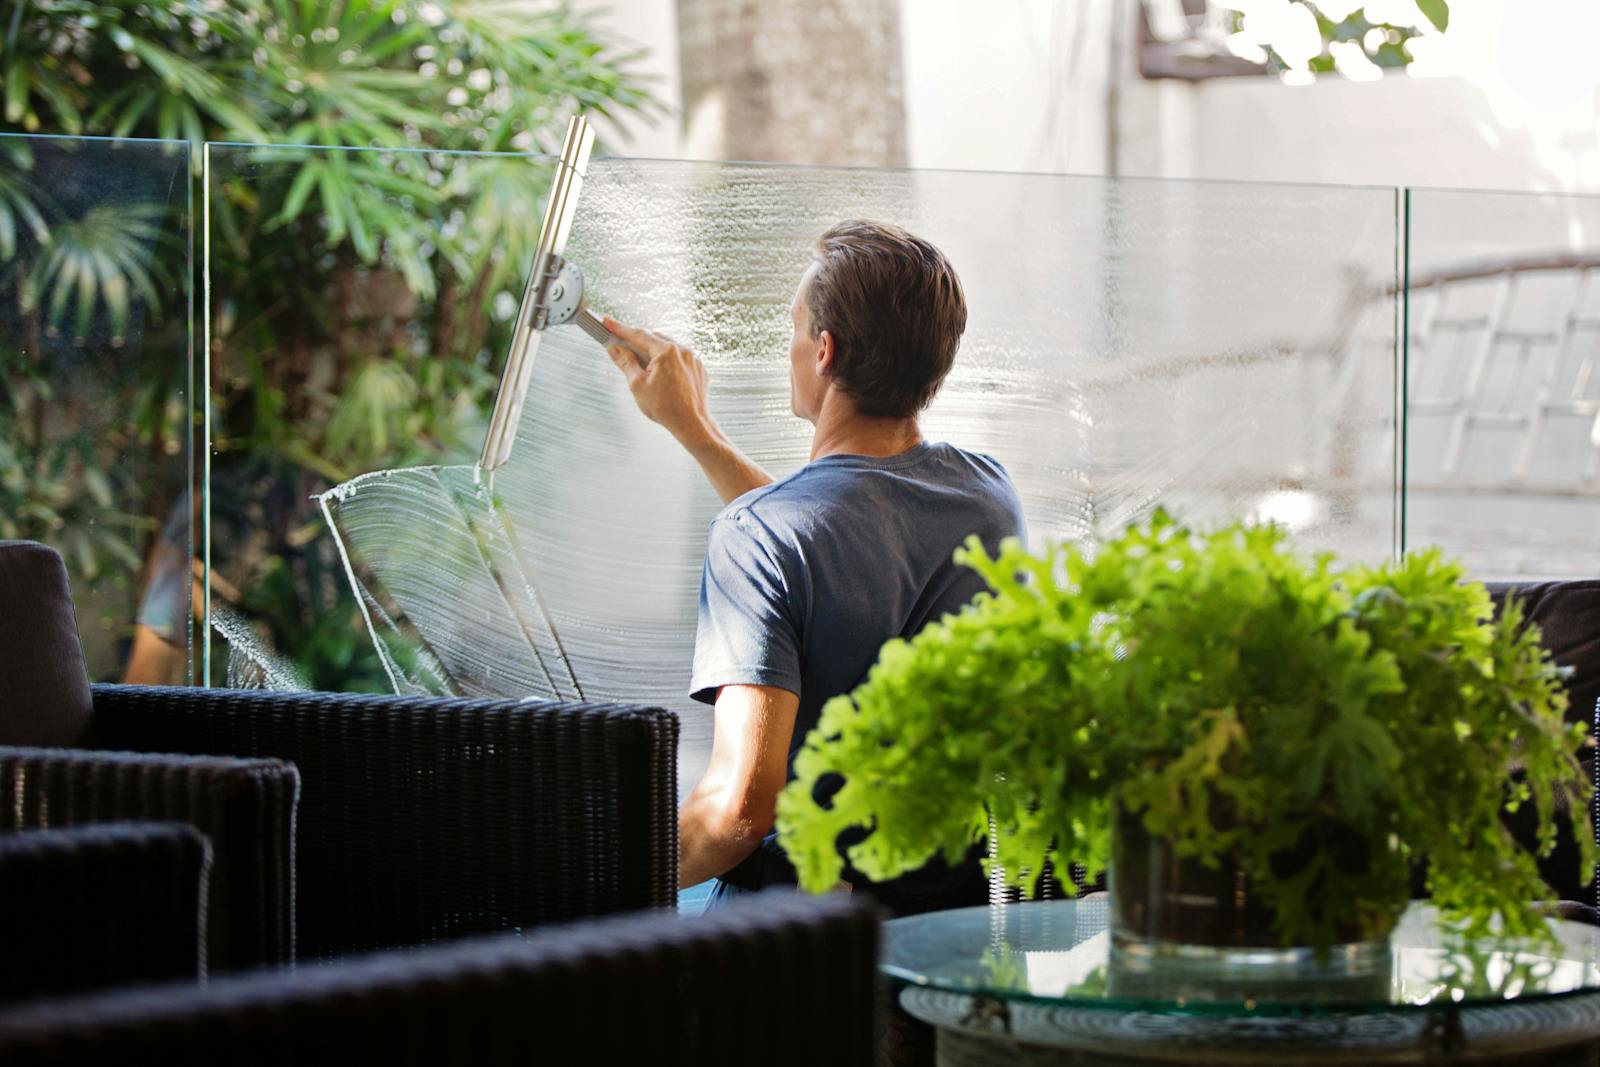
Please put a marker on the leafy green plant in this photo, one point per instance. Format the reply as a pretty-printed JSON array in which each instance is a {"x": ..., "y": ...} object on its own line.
[{"x": 1242, "y": 701}]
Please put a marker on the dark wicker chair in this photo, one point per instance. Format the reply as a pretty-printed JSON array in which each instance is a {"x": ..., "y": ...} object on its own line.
[
  {"x": 97, "y": 906},
  {"x": 775, "y": 980}
]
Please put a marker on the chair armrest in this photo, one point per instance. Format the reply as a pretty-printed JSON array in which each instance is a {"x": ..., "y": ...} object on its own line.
[
  {"x": 428, "y": 818},
  {"x": 101, "y": 905},
  {"x": 244, "y": 807}
]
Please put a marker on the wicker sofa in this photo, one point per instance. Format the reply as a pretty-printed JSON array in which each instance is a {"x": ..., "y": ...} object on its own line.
[
  {"x": 775, "y": 980},
  {"x": 340, "y": 823}
]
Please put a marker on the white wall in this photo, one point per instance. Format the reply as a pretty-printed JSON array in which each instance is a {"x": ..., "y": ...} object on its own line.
[
  {"x": 1022, "y": 85},
  {"x": 1019, "y": 87},
  {"x": 1397, "y": 131}
]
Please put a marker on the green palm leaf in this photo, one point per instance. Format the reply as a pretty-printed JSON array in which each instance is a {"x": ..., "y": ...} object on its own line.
[{"x": 95, "y": 261}]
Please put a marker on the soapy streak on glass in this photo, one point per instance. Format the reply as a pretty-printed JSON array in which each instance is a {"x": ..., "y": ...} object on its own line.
[{"x": 1129, "y": 343}]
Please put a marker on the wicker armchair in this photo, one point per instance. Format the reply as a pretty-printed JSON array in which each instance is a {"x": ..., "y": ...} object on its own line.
[
  {"x": 775, "y": 980},
  {"x": 98, "y": 906}
]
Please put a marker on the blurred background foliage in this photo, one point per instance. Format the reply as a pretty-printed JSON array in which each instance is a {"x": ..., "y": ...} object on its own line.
[{"x": 359, "y": 299}]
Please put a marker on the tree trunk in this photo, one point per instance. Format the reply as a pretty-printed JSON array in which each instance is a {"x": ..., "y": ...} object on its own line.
[{"x": 793, "y": 81}]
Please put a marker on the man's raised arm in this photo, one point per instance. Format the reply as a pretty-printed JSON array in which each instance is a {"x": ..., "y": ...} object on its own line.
[{"x": 669, "y": 384}]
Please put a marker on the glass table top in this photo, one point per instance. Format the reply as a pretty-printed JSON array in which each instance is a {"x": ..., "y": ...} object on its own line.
[{"x": 1061, "y": 953}]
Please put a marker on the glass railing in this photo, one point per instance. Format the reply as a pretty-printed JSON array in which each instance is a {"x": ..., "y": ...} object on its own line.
[
  {"x": 96, "y": 387},
  {"x": 1502, "y": 384},
  {"x": 1221, "y": 349}
]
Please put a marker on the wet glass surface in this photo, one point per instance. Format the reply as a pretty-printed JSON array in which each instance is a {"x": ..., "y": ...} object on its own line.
[{"x": 1219, "y": 349}]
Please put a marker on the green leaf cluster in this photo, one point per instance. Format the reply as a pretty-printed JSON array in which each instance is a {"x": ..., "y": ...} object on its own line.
[
  {"x": 1388, "y": 48},
  {"x": 1243, "y": 700}
]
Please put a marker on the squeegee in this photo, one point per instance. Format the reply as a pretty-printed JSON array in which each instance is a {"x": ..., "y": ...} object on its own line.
[{"x": 554, "y": 296}]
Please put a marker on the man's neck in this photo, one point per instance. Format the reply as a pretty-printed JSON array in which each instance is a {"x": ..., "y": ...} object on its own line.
[{"x": 840, "y": 430}]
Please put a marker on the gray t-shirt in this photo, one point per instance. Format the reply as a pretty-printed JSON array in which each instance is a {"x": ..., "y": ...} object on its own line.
[{"x": 806, "y": 578}]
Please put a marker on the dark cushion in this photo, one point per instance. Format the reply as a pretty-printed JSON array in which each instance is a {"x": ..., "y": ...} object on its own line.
[
  {"x": 44, "y": 687},
  {"x": 1568, "y": 614}
]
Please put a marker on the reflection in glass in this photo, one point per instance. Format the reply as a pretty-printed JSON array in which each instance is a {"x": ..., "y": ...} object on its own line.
[{"x": 95, "y": 361}]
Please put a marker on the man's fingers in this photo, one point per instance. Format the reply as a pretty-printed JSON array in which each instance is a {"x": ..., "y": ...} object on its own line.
[
  {"x": 626, "y": 362},
  {"x": 633, "y": 334},
  {"x": 647, "y": 343}
]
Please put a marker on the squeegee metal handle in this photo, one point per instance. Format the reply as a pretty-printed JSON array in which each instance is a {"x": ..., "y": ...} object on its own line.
[
  {"x": 590, "y": 324},
  {"x": 559, "y": 211}
]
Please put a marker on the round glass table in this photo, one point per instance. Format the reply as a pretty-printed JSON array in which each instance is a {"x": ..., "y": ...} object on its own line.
[{"x": 1041, "y": 982}]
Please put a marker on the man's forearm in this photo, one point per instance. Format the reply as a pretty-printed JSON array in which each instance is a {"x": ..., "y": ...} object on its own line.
[
  {"x": 731, "y": 472},
  {"x": 708, "y": 845}
]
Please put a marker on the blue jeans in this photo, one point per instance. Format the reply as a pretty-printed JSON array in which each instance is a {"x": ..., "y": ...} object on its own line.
[{"x": 764, "y": 868}]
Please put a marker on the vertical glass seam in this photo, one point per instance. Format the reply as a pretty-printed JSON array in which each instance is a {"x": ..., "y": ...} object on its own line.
[
  {"x": 1403, "y": 392},
  {"x": 204, "y": 398},
  {"x": 194, "y": 661}
]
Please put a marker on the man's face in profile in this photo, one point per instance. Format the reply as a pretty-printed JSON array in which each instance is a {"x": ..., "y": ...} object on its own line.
[{"x": 805, "y": 384}]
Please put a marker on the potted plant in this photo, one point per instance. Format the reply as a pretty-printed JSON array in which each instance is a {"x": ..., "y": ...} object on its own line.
[{"x": 1215, "y": 718}]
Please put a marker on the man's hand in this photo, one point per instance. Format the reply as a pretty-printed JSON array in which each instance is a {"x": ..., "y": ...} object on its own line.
[
  {"x": 668, "y": 383},
  {"x": 667, "y": 380}
]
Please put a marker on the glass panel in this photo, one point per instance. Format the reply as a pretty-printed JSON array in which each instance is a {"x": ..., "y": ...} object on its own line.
[
  {"x": 1222, "y": 349},
  {"x": 95, "y": 370},
  {"x": 1503, "y": 392},
  {"x": 355, "y": 302}
]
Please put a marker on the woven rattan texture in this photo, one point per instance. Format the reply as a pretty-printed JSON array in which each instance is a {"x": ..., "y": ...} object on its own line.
[
  {"x": 423, "y": 818},
  {"x": 100, "y": 905},
  {"x": 244, "y": 807},
  {"x": 776, "y": 980}
]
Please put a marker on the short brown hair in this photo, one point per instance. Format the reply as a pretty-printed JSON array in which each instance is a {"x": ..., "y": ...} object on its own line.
[{"x": 896, "y": 312}]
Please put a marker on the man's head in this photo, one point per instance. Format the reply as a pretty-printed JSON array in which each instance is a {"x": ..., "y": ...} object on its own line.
[{"x": 878, "y": 316}]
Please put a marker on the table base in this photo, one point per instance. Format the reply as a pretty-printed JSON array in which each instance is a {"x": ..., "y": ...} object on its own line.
[{"x": 986, "y": 1032}]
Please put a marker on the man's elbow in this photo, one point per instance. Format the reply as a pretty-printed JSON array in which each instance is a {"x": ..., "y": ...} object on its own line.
[{"x": 743, "y": 825}]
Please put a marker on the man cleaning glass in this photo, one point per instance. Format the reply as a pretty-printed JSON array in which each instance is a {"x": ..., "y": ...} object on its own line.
[{"x": 806, "y": 577}]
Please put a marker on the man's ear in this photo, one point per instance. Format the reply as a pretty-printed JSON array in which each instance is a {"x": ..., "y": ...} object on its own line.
[{"x": 825, "y": 353}]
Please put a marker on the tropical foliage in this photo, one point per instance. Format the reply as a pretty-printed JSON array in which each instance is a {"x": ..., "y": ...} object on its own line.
[
  {"x": 357, "y": 295},
  {"x": 1239, "y": 699}
]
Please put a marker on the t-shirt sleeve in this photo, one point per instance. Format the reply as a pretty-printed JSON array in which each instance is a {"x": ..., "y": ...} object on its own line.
[{"x": 746, "y": 634}]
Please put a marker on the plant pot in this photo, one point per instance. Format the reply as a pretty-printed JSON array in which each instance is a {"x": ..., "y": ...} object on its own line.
[{"x": 1173, "y": 916}]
